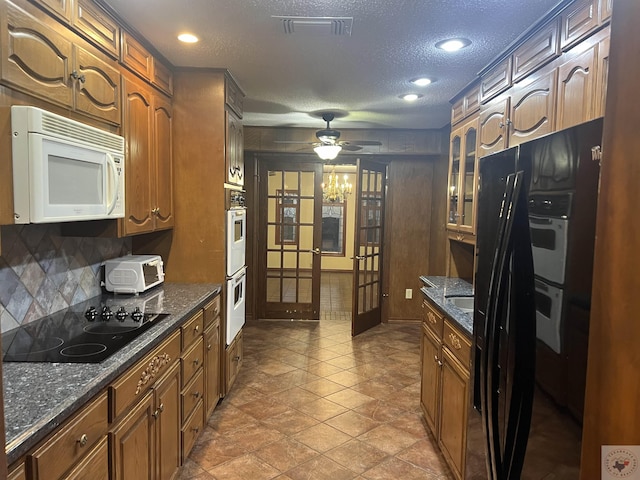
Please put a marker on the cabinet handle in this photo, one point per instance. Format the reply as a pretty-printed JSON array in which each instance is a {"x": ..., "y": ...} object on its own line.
[
  {"x": 196, "y": 394},
  {"x": 455, "y": 341},
  {"x": 196, "y": 328},
  {"x": 83, "y": 440},
  {"x": 76, "y": 76},
  {"x": 437, "y": 360},
  {"x": 196, "y": 362},
  {"x": 236, "y": 358},
  {"x": 208, "y": 346},
  {"x": 432, "y": 318},
  {"x": 157, "y": 413},
  {"x": 196, "y": 430}
]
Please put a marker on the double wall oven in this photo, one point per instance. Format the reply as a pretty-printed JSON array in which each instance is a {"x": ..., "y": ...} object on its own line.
[{"x": 236, "y": 279}]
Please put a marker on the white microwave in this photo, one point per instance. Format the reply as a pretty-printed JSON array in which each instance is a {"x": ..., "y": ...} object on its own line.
[{"x": 64, "y": 170}]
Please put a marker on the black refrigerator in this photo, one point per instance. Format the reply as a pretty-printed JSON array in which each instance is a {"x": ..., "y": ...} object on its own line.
[{"x": 535, "y": 236}]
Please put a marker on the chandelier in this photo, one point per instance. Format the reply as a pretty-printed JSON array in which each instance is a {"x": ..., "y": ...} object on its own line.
[{"x": 334, "y": 191}]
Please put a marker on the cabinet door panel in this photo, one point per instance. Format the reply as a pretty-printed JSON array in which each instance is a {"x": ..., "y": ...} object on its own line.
[
  {"x": 132, "y": 445},
  {"x": 168, "y": 422},
  {"x": 430, "y": 382},
  {"x": 575, "y": 89},
  {"x": 453, "y": 419},
  {"x": 602, "y": 78},
  {"x": 212, "y": 367},
  {"x": 61, "y": 8},
  {"x": 35, "y": 58},
  {"x": 163, "y": 144},
  {"x": 97, "y": 25},
  {"x": 533, "y": 108},
  {"x": 493, "y": 126},
  {"x": 536, "y": 51},
  {"x": 98, "y": 90},
  {"x": 139, "y": 163},
  {"x": 136, "y": 57},
  {"x": 578, "y": 21}
]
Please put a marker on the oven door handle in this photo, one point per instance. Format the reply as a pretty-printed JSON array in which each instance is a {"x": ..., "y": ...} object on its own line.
[{"x": 540, "y": 221}]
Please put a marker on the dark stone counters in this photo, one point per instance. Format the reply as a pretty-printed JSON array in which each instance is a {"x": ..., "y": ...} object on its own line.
[
  {"x": 38, "y": 397},
  {"x": 438, "y": 289}
]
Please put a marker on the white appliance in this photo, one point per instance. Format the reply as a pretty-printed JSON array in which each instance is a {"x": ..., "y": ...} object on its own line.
[
  {"x": 236, "y": 292},
  {"x": 64, "y": 170},
  {"x": 236, "y": 239},
  {"x": 133, "y": 273},
  {"x": 549, "y": 237},
  {"x": 549, "y": 314}
]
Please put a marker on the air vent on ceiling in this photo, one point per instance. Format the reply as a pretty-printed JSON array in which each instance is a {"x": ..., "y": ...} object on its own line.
[{"x": 315, "y": 25}]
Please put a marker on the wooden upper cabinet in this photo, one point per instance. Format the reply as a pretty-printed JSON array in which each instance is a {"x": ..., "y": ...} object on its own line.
[
  {"x": 496, "y": 80},
  {"x": 537, "y": 50},
  {"x": 97, "y": 85},
  {"x": 234, "y": 154},
  {"x": 494, "y": 124},
  {"x": 578, "y": 21},
  {"x": 97, "y": 25},
  {"x": 234, "y": 97},
  {"x": 137, "y": 131},
  {"x": 135, "y": 56},
  {"x": 163, "y": 145},
  {"x": 575, "y": 87},
  {"x": 36, "y": 58},
  {"x": 602, "y": 75},
  {"x": 60, "y": 8},
  {"x": 606, "y": 7},
  {"x": 41, "y": 59},
  {"x": 467, "y": 104},
  {"x": 533, "y": 107},
  {"x": 162, "y": 77}
]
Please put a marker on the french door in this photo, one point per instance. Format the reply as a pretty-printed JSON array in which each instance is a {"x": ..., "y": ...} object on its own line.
[
  {"x": 369, "y": 234},
  {"x": 290, "y": 212}
]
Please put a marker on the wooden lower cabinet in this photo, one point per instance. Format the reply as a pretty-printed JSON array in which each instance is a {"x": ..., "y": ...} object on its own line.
[
  {"x": 453, "y": 411},
  {"x": 17, "y": 473},
  {"x": 233, "y": 360},
  {"x": 444, "y": 393},
  {"x": 212, "y": 366},
  {"x": 95, "y": 465},
  {"x": 145, "y": 444}
]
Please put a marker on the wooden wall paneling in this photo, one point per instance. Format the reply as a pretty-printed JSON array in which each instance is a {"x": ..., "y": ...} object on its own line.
[
  {"x": 197, "y": 251},
  {"x": 409, "y": 208},
  {"x": 613, "y": 372},
  {"x": 251, "y": 185}
]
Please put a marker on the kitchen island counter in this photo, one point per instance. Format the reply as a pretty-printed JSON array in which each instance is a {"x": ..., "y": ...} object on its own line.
[
  {"x": 40, "y": 396},
  {"x": 439, "y": 289}
]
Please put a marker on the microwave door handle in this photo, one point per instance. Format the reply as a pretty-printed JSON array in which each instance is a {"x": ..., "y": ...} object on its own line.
[{"x": 116, "y": 177}]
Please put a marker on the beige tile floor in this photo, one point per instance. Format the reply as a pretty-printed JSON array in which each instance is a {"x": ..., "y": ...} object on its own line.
[{"x": 310, "y": 402}]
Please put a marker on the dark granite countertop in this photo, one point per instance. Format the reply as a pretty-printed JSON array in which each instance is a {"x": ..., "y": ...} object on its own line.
[
  {"x": 438, "y": 289},
  {"x": 38, "y": 397}
]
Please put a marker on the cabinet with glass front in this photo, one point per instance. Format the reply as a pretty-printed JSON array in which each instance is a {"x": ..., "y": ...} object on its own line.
[{"x": 462, "y": 178}]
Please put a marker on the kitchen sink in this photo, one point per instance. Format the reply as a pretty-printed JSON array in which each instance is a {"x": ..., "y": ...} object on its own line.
[{"x": 463, "y": 303}]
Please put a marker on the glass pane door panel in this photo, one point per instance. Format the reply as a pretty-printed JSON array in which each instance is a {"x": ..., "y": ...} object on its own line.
[
  {"x": 307, "y": 186},
  {"x": 469, "y": 174},
  {"x": 291, "y": 180},
  {"x": 454, "y": 179}
]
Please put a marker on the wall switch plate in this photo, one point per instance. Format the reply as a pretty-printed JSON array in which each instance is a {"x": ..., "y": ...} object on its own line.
[{"x": 408, "y": 293}]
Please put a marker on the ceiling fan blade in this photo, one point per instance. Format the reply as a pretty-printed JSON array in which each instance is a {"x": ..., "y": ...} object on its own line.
[
  {"x": 350, "y": 148},
  {"x": 365, "y": 142},
  {"x": 294, "y": 142}
]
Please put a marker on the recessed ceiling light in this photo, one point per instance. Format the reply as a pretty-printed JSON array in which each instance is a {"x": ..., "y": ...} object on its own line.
[
  {"x": 411, "y": 97},
  {"x": 421, "y": 82},
  {"x": 187, "y": 38},
  {"x": 453, "y": 44}
]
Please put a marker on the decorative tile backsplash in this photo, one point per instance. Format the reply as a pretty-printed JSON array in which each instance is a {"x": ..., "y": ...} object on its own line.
[{"x": 42, "y": 272}]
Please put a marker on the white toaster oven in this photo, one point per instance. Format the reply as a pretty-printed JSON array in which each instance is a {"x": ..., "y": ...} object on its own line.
[{"x": 133, "y": 273}]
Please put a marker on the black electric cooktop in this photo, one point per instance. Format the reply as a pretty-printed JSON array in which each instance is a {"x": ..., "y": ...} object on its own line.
[{"x": 87, "y": 332}]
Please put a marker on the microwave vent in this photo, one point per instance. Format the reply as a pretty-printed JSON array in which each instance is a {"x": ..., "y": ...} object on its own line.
[{"x": 90, "y": 136}]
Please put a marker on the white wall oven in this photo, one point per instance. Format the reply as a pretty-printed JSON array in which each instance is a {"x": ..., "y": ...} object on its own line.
[{"x": 236, "y": 231}]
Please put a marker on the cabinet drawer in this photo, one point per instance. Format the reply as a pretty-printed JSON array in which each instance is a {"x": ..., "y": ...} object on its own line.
[
  {"x": 457, "y": 343},
  {"x": 537, "y": 50},
  {"x": 496, "y": 80},
  {"x": 140, "y": 378},
  {"x": 192, "y": 330},
  {"x": 94, "y": 466},
  {"x": 71, "y": 442},
  {"x": 211, "y": 311},
  {"x": 432, "y": 319},
  {"x": 192, "y": 394},
  {"x": 192, "y": 361},
  {"x": 191, "y": 430}
]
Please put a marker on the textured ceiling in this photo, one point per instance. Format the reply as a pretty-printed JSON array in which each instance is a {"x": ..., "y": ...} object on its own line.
[{"x": 290, "y": 78}]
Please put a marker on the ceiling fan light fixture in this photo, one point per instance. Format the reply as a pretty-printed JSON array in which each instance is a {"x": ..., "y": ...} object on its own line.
[
  {"x": 453, "y": 44},
  {"x": 327, "y": 152},
  {"x": 422, "y": 81}
]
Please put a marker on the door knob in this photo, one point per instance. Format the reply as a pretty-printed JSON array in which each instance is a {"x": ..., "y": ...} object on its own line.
[{"x": 315, "y": 251}]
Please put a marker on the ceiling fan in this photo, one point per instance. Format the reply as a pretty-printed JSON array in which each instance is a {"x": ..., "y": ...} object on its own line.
[{"x": 328, "y": 145}]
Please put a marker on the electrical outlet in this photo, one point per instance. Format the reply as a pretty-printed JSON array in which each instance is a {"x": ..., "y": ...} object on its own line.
[{"x": 408, "y": 293}]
